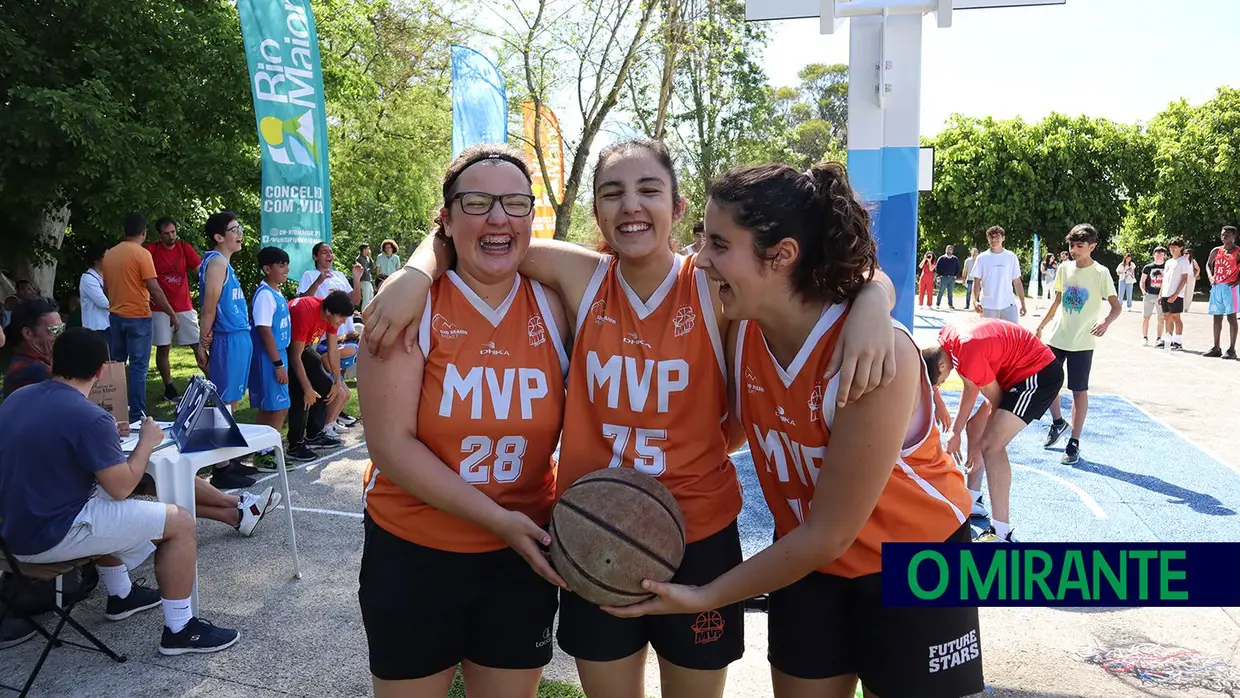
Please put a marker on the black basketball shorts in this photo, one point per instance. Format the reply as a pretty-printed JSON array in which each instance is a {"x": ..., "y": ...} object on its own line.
[
  {"x": 426, "y": 610},
  {"x": 705, "y": 641},
  {"x": 824, "y": 626},
  {"x": 1032, "y": 397},
  {"x": 1077, "y": 366}
]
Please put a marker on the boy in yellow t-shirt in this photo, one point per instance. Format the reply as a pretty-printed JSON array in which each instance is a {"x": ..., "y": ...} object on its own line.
[{"x": 1080, "y": 287}]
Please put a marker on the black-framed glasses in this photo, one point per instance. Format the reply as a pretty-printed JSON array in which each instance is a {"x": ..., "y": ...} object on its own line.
[
  {"x": 235, "y": 228},
  {"x": 480, "y": 203}
]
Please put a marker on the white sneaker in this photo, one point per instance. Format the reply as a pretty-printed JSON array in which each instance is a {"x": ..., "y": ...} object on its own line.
[
  {"x": 330, "y": 430},
  {"x": 979, "y": 509},
  {"x": 340, "y": 424},
  {"x": 254, "y": 507}
]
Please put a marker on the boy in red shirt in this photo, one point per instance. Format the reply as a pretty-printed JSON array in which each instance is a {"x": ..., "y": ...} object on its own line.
[
  {"x": 312, "y": 389},
  {"x": 1019, "y": 378},
  {"x": 1223, "y": 268}
]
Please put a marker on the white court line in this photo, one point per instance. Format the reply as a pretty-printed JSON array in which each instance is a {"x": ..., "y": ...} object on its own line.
[
  {"x": 1182, "y": 435},
  {"x": 1089, "y": 501}
]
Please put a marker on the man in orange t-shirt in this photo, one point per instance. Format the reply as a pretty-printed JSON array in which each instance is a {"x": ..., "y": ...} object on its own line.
[{"x": 129, "y": 275}]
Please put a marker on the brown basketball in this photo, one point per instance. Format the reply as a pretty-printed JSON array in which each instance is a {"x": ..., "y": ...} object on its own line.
[{"x": 613, "y": 528}]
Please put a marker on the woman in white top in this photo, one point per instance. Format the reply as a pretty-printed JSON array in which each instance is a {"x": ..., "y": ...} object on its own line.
[
  {"x": 1127, "y": 273},
  {"x": 1049, "y": 270},
  {"x": 94, "y": 297}
]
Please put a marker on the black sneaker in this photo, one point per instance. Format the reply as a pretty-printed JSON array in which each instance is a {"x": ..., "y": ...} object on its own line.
[
  {"x": 1058, "y": 427},
  {"x": 1072, "y": 453},
  {"x": 1214, "y": 353},
  {"x": 324, "y": 439},
  {"x": 1231, "y": 354},
  {"x": 239, "y": 468},
  {"x": 300, "y": 453},
  {"x": 14, "y": 631},
  {"x": 1159, "y": 344},
  {"x": 140, "y": 599},
  {"x": 225, "y": 479},
  {"x": 198, "y": 636},
  {"x": 170, "y": 393}
]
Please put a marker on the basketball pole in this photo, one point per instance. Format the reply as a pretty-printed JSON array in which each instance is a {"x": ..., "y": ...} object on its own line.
[{"x": 884, "y": 112}]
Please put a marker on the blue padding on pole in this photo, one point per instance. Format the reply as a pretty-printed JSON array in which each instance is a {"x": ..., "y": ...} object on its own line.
[
  {"x": 900, "y": 170},
  {"x": 895, "y": 230}
]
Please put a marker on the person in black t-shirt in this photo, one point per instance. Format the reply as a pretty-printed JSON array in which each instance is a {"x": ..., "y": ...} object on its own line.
[{"x": 1151, "y": 285}]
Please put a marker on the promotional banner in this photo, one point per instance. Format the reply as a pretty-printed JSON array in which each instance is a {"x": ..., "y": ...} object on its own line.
[
  {"x": 479, "y": 101},
  {"x": 282, "y": 49},
  {"x": 553, "y": 156},
  {"x": 1034, "y": 276}
]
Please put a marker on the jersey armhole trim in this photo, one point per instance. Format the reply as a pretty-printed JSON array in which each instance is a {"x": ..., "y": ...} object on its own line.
[
  {"x": 712, "y": 322},
  {"x": 587, "y": 298},
  {"x": 424, "y": 328},
  {"x": 738, "y": 362},
  {"x": 544, "y": 308}
]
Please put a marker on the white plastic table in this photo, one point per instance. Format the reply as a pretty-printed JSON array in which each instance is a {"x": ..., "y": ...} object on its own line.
[{"x": 174, "y": 474}]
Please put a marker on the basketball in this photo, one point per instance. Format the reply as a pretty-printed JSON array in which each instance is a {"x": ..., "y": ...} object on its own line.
[{"x": 613, "y": 528}]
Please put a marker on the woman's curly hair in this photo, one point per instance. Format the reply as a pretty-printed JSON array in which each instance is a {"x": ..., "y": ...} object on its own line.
[{"x": 819, "y": 210}]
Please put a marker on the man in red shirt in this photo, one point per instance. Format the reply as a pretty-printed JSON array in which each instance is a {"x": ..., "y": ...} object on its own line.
[
  {"x": 1223, "y": 268},
  {"x": 314, "y": 387},
  {"x": 176, "y": 262},
  {"x": 1019, "y": 378}
]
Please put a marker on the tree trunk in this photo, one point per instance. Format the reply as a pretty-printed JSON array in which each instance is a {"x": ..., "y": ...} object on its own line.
[{"x": 51, "y": 234}]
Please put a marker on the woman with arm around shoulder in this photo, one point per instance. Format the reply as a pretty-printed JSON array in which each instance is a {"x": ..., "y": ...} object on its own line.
[
  {"x": 638, "y": 303},
  {"x": 461, "y": 431},
  {"x": 790, "y": 251}
]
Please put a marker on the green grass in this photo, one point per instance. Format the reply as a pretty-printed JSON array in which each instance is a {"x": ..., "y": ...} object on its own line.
[
  {"x": 546, "y": 689},
  {"x": 184, "y": 368}
]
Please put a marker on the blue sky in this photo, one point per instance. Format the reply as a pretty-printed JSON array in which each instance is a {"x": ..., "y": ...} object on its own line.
[{"x": 1118, "y": 59}]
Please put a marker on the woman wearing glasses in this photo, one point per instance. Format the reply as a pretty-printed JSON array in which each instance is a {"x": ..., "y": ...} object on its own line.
[{"x": 461, "y": 431}]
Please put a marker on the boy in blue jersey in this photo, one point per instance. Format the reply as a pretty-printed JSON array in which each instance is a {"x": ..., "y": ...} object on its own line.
[
  {"x": 271, "y": 331},
  {"x": 225, "y": 329}
]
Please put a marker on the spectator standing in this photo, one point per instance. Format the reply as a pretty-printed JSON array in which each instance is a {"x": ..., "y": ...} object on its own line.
[
  {"x": 947, "y": 268},
  {"x": 1126, "y": 272},
  {"x": 1047, "y": 276},
  {"x": 386, "y": 263},
  {"x": 968, "y": 277},
  {"x": 1223, "y": 268},
  {"x": 94, "y": 296},
  {"x": 925, "y": 283},
  {"x": 1151, "y": 290},
  {"x": 366, "y": 262},
  {"x": 1001, "y": 286},
  {"x": 1177, "y": 281},
  {"x": 64, "y": 488},
  {"x": 175, "y": 262},
  {"x": 129, "y": 275},
  {"x": 1192, "y": 282}
]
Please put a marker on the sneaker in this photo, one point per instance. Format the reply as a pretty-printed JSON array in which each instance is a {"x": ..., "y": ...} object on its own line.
[
  {"x": 198, "y": 636},
  {"x": 1058, "y": 427},
  {"x": 979, "y": 508},
  {"x": 1214, "y": 353},
  {"x": 1231, "y": 354},
  {"x": 990, "y": 536},
  {"x": 14, "y": 631},
  {"x": 140, "y": 599},
  {"x": 324, "y": 438},
  {"x": 1159, "y": 344},
  {"x": 347, "y": 420},
  {"x": 1145, "y": 341},
  {"x": 254, "y": 507},
  {"x": 240, "y": 468},
  {"x": 225, "y": 479},
  {"x": 300, "y": 453},
  {"x": 1072, "y": 453},
  {"x": 1176, "y": 346},
  {"x": 170, "y": 393}
]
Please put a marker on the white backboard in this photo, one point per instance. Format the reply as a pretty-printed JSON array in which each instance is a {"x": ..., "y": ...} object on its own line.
[{"x": 766, "y": 10}]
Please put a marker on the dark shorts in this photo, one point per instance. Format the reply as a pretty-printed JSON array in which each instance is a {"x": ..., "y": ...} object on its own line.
[
  {"x": 825, "y": 626},
  {"x": 704, "y": 641},
  {"x": 1030, "y": 398},
  {"x": 1176, "y": 306},
  {"x": 426, "y": 610},
  {"x": 1079, "y": 363}
]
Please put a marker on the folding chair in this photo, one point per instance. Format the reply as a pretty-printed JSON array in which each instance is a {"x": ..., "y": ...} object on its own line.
[{"x": 24, "y": 576}]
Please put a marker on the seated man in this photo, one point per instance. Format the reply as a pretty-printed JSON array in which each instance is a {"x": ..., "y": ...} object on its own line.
[
  {"x": 64, "y": 488},
  {"x": 1019, "y": 378},
  {"x": 36, "y": 324}
]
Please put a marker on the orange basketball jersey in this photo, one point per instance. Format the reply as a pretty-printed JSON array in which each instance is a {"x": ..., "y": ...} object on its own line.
[
  {"x": 787, "y": 415},
  {"x": 491, "y": 409},
  {"x": 647, "y": 390}
]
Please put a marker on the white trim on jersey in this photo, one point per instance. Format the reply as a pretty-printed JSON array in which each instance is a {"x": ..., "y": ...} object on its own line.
[
  {"x": 495, "y": 316},
  {"x": 424, "y": 329},
  {"x": 540, "y": 297},
  {"x": 591, "y": 292},
  {"x": 644, "y": 310},
  {"x": 830, "y": 315},
  {"x": 711, "y": 320},
  {"x": 737, "y": 362}
]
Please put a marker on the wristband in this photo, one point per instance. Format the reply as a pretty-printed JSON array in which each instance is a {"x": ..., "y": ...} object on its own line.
[{"x": 278, "y": 363}]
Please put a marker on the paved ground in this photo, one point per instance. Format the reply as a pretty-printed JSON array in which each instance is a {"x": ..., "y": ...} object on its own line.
[{"x": 1172, "y": 476}]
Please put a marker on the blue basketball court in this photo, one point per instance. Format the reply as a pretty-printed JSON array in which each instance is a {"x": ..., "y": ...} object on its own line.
[{"x": 1137, "y": 480}]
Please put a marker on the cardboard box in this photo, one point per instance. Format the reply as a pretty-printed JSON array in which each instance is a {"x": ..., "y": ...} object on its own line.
[{"x": 110, "y": 391}]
